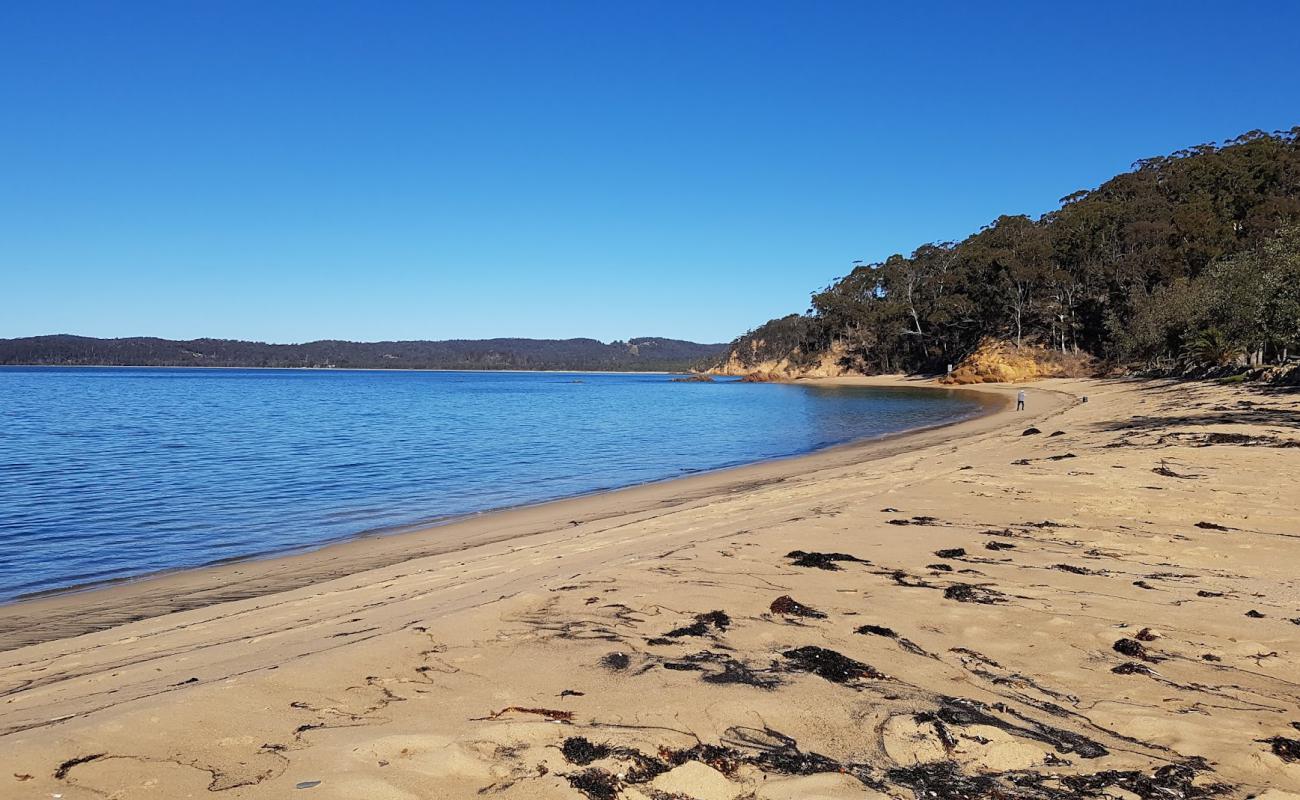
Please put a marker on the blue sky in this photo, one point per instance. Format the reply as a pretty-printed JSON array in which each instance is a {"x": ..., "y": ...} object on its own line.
[{"x": 287, "y": 171}]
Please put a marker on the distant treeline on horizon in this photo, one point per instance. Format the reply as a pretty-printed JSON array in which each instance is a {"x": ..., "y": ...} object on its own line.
[{"x": 647, "y": 354}]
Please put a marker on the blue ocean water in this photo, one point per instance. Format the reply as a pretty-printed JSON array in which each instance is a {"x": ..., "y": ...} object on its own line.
[{"x": 108, "y": 473}]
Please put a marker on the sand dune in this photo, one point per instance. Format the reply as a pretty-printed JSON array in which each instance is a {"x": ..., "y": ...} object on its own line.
[{"x": 1107, "y": 607}]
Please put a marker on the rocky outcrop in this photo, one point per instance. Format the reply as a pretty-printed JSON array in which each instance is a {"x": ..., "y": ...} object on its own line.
[
  {"x": 997, "y": 361},
  {"x": 828, "y": 364}
]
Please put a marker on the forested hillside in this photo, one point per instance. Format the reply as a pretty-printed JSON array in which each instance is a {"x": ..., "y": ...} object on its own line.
[
  {"x": 644, "y": 354},
  {"x": 1190, "y": 258}
]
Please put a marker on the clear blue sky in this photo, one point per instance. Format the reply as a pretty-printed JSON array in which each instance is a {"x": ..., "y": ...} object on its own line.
[{"x": 287, "y": 171}]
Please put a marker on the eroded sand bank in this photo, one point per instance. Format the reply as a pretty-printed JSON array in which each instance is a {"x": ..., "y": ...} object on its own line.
[{"x": 966, "y": 611}]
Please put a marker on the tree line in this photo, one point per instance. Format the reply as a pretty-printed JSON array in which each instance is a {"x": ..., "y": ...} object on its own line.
[
  {"x": 640, "y": 354},
  {"x": 1190, "y": 258}
]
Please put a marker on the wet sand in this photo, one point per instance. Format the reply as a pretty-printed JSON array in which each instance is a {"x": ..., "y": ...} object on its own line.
[{"x": 1111, "y": 610}]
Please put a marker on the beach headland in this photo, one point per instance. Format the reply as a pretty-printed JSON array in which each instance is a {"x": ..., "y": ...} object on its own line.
[{"x": 1084, "y": 599}]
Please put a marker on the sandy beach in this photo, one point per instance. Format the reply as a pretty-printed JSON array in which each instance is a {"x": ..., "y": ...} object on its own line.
[{"x": 1086, "y": 599}]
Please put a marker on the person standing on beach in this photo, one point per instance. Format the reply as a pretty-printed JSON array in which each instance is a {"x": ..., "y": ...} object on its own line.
[{"x": 1020, "y": 401}]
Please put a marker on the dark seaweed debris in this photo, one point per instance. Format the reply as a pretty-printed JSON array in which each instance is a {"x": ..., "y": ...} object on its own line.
[
  {"x": 834, "y": 667},
  {"x": 1031, "y": 432},
  {"x": 969, "y": 593},
  {"x": 1286, "y": 749},
  {"x": 944, "y": 780},
  {"x": 700, "y": 627},
  {"x": 1075, "y": 570},
  {"x": 772, "y": 751},
  {"x": 579, "y": 750},
  {"x": 787, "y": 605},
  {"x": 62, "y": 771},
  {"x": 888, "y": 633},
  {"x": 766, "y": 749},
  {"x": 821, "y": 560},
  {"x": 1131, "y": 668},
  {"x": 951, "y": 552},
  {"x": 1253, "y": 614},
  {"x": 1242, "y": 439},
  {"x": 1169, "y": 473},
  {"x": 615, "y": 661},
  {"x": 596, "y": 783},
  {"x": 1212, "y": 526},
  {"x": 1061, "y": 457},
  {"x": 1170, "y": 782},
  {"x": 720, "y": 668},
  {"x": 1134, "y": 649},
  {"x": 999, "y": 546},
  {"x": 965, "y": 712},
  {"x": 922, "y": 520}
]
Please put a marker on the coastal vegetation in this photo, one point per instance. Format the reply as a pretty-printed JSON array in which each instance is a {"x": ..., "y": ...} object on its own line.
[
  {"x": 647, "y": 354},
  {"x": 1189, "y": 261}
]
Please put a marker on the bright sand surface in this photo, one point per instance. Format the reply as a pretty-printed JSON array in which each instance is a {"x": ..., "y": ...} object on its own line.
[{"x": 1023, "y": 614}]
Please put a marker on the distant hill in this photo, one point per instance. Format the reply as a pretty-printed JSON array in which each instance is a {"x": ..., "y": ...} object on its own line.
[
  {"x": 642, "y": 354},
  {"x": 1188, "y": 262}
]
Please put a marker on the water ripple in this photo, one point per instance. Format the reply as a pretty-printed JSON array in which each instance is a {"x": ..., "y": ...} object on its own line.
[{"x": 112, "y": 473}]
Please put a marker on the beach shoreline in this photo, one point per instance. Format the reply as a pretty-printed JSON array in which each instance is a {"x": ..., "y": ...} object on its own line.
[
  {"x": 1085, "y": 599},
  {"x": 85, "y": 608}
]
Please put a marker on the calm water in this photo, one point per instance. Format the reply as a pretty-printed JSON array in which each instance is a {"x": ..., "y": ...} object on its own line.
[{"x": 109, "y": 473}]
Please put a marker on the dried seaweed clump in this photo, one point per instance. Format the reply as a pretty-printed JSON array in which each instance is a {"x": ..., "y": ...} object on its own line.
[
  {"x": 827, "y": 561},
  {"x": 834, "y": 667},
  {"x": 788, "y": 606}
]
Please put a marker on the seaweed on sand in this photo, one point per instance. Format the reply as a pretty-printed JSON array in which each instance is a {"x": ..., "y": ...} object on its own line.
[
  {"x": 596, "y": 783},
  {"x": 920, "y": 520},
  {"x": 1164, "y": 470},
  {"x": 62, "y": 771},
  {"x": 1076, "y": 570},
  {"x": 718, "y": 620},
  {"x": 830, "y": 665},
  {"x": 788, "y": 606},
  {"x": 1286, "y": 749},
  {"x": 772, "y": 751},
  {"x": 1132, "y": 668},
  {"x": 1135, "y": 649},
  {"x": 719, "y": 668},
  {"x": 581, "y": 751},
  {"x": 768, "y": 750},
  {"x": 615, "y": 661},
  {"x": 553, "y": 714},
  {"x": 970, "y": 593},
  {"x": 825, "y": 561},
  {"x": 889, "y": 633},
  {"x": 964, "y": 712},
  {"x": 944, "y": 780}
]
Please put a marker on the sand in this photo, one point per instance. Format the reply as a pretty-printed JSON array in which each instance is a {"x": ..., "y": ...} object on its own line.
[{"x": 1108, "y": 611}]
